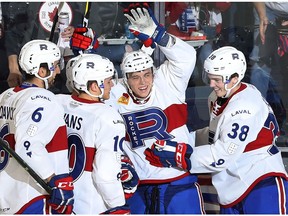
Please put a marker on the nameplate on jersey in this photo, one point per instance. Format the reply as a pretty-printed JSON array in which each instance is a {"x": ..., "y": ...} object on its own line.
[
  {"x": 150, "y": 123},
  {"x": 7, "y": 112}
]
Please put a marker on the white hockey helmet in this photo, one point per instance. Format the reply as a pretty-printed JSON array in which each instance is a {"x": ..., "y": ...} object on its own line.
[
  {"x": 37, "y": 52},
  {"x": 69, "y": 73},
  {"x": 225, "y": 62},
  {"x": 135, "y": 61},
  {"x": 92, "y": 67}
]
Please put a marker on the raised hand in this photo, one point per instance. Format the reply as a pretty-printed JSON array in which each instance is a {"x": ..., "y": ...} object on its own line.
[
  {"x": 144, "y": 24},
  {"x": 83, "y": 40}
]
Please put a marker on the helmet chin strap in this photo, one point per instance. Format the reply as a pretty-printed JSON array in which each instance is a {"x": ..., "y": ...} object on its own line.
[
  {"x": 85, "y": 89},
  {"x": 228, "y": 91},
  {"x": 45, "y": 80},
  {"x": 46, "y": 84},
  {"x": 96, "y": 96},
  {"x": 137, "y": 99},
  {"x": 142, "y": 100}
]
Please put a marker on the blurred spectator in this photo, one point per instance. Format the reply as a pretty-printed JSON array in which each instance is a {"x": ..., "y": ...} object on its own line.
[
  {"x": 1, "y": 23},
  {"x": 4, "y": 63},
  {"x": 24, "y": 21},
  {"x": 173, "y": 11},
  {"x": 266, "y": 63},
  {"x": 33, "y": 20},
  {"x": 210, "y": 21},
  {"x": 183, "y": 18}
]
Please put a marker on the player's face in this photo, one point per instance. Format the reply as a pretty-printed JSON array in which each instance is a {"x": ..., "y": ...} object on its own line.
[
  {"x": 216, "y": 82},
  {"x": 141, "y": 82},
  {"x": 54, "y": 72},
  {"x": 108, "y": 84}
]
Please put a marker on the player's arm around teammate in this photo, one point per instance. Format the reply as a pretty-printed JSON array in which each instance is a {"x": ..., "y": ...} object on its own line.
[{"x": 242, "y": 156}]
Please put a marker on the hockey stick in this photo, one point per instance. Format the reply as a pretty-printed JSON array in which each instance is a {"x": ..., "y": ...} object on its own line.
[
  {"x": 86, "y": 14},
  {"x": 85, "y": 20},
  {"x": 33, "y": 174},
  {"x": 55, "y": 20}
]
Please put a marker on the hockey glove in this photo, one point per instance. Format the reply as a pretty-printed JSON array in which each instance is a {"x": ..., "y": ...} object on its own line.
[
  {"x": 62, "y": 197},
  {"x": 144, "y": 24},
  {"x": 83, "y": 40},
  {"x": 123, "y": 210},
  {"x": 129, "y": 177},
  {"x": 169, "y": 154}
]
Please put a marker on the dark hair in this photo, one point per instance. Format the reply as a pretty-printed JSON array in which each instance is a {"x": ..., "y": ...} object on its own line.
[
  {"x": 234, "y": 75},
  {"x": 89, "y": 83},
  {"x": 29, "y": 76},
  {"x": 44, "y": 65}
]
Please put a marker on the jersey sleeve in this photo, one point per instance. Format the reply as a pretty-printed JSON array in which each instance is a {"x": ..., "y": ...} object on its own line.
[
  {"x": 237, "y": 128},
  {"x": 41, "y": 136},
  {"x": 179, "y": 66},
  {"x": 106, "y": 175},
  {"x": 107, "y": 162}
]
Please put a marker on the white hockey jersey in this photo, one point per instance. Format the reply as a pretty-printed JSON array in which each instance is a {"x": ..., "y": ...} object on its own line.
[
  {"x": 95, "y": 137},
  {"x": 31, "y": 121},
  {"x": 162, "y": 117},
  {"x": 242, "y": 149}
]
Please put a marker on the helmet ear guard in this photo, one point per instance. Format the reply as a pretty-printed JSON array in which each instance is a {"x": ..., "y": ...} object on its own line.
[{"x": 225, "y": 62}]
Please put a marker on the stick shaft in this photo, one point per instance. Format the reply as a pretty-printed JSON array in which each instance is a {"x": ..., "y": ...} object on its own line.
[
  {"x": 55, "y": 20},
  {"x": 33, "y": 174}
]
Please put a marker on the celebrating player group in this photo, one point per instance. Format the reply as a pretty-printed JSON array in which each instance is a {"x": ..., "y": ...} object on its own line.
[{"x": 122, "y": 146}]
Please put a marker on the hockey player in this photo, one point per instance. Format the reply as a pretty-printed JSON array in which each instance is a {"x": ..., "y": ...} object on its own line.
[
  {"x": 31, "y": 122},
  {"x": 246, "y": 165},
  {"x": 95, "y": 135},
  {"x": 152, "y": 104}
]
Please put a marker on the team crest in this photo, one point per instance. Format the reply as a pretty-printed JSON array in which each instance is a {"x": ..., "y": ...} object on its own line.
[
  {"x": 48, "y": 11},
  {"x": 124, "y": 99}
]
